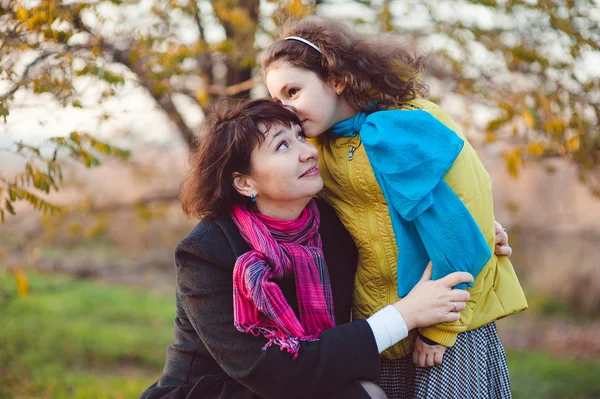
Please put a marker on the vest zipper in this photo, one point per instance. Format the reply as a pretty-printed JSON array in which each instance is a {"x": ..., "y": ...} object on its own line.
[{"x": 370, "y": 218}]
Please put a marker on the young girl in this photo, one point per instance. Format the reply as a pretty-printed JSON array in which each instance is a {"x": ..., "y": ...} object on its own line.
[{"x": 410, "y": 189}]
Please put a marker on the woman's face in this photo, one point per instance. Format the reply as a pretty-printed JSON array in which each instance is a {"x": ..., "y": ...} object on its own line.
[
  {"x": 283, "y": 171},
  {"x": 317, "y": 103}
]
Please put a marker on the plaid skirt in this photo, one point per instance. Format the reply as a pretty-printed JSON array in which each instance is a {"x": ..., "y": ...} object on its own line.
[{"x": 475, "y": 367}]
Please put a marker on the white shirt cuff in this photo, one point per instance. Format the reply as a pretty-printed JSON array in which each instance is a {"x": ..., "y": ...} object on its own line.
[{"x": 388, "y": 327}]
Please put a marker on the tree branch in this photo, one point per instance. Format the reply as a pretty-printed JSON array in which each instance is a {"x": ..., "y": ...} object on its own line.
[
  {"x": 197, "y": 19},
  {"x": 164, "y": 101},
  {"x": 234, "y": 89},
  {"x": 23, "y": 80},
  {"x": 45, "y": 54},
  {"x": 160, "y": 198}
]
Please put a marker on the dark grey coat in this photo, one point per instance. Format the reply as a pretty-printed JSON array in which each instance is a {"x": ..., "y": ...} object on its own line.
[{"x": 211, "y": 359}]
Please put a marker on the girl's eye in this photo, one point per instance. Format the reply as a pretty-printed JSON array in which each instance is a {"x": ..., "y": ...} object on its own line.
[
  {"x": 292, "y": 92},
  {"x": 281, "y": 146},
  {"x": 301, "y": 136}
]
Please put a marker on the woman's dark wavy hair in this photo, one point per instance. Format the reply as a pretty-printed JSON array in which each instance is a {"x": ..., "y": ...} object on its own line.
[
  {"x": 229, "y": 137},
  {"x": 377, "y": 70}
]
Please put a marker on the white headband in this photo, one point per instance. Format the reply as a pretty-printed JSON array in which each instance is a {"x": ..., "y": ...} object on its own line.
[{"x": 304, "y": 41}]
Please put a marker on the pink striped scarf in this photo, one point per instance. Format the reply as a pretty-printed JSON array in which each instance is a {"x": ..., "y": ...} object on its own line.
[{"x": 281, "y": 249}]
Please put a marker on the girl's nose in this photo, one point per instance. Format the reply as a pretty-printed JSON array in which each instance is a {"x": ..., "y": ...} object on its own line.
[{"x": 288, "y": 105}]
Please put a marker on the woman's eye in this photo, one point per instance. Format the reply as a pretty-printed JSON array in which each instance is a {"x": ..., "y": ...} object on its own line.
[
  {"x": 301, "y": 136},
  {"x": 281, "y": 146},
  {"x": 292, "y": 92}
]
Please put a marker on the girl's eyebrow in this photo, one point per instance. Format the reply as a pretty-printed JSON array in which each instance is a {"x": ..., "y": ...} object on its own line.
[{"x": 285, "y": 86}]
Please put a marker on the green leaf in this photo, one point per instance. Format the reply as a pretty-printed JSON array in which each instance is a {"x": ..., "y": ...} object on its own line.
[
  {"x": 75, "y": 137},
  {"x": 12, "y": 193},
  {"x": 3, "y": 111},
  {"x": 9, "y": 207}
]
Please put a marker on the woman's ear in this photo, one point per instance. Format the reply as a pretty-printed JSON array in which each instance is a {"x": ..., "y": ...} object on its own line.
[{"x": 243, "y": 184}]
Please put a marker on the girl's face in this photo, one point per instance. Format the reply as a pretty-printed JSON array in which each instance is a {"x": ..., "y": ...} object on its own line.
[
  {"x": 284, "y": 174},
  {"x": 317, "y": 103}
]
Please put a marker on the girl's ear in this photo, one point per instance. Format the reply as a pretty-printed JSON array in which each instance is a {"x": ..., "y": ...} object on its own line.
[
  {"x": 339, "y": 85},
  {"x": 243, "y": 184}
]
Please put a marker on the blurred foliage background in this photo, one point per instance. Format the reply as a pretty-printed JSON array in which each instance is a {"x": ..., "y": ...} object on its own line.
[{"x": 101, "y": 101}]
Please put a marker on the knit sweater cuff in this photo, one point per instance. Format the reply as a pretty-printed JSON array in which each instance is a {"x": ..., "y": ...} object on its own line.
[{"x": 442, "y": 337}]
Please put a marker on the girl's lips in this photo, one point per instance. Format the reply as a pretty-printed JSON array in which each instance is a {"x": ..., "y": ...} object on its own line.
[{"x": 314, "y": 171}]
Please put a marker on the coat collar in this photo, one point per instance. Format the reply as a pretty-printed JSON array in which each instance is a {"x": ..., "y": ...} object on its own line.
[{"x": 236, "y": 242}]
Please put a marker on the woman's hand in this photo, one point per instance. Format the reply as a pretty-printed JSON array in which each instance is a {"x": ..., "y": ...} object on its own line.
[
  {"x": 426, "y": 355},
  {"x": 432, "y": 302},
  {"x": 502, "y": 247}
]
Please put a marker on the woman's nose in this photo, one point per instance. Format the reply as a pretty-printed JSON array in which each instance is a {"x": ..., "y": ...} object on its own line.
[{"x": 308, "y": 152}]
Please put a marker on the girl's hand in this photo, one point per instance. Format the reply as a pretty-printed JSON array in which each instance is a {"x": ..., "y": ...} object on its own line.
[
  {"x": 426, "y": 355},
  {"x": 433, "y": 302},
  {"x": 502, "y": 247}
]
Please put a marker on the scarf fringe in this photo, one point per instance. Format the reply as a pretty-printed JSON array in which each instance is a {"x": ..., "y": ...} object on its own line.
[{"x": 277, "y": 337}]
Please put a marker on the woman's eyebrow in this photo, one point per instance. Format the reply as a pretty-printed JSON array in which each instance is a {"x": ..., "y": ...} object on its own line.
[{"x": 279, "y": 133}]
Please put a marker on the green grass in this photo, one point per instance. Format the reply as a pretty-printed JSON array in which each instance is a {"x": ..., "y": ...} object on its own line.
[
  {"x": 546, "y": 305},
  {"x": 100, "y": 248},
  {"x": 79, "y": 339},
  {"x": 539, "y": 375}
]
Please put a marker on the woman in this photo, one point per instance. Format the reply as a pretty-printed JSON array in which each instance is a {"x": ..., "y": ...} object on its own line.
[{"x": 252, "y": 181}]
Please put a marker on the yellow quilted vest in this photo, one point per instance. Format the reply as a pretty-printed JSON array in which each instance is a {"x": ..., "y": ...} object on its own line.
[{"x": 351, "y": 188}]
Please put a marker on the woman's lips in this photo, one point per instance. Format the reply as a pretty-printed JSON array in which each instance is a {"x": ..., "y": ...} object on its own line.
[{"x": 314, "y": 171}]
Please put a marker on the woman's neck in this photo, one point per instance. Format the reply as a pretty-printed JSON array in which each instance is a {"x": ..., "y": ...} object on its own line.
[{"x": 285, "y": 211}]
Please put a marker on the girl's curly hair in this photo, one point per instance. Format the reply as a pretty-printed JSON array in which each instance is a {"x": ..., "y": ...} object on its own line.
[{"x": 378, "y": 71}]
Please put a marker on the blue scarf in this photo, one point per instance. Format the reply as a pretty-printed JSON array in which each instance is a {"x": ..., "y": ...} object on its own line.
[{"x": 410, "y": 152}]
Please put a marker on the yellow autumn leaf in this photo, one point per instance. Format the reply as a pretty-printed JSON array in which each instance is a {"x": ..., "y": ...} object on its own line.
[
  {"x": 226, "y": 46},
  {"x": 556, "y": 126},
  {"x": 543, "y": 101},
  {"x": 297, "y": 9},
  {"x": 202, "y": 97},
  {"x": 22, "y": 283},
  {"x": 239, "y": 18},
  {"x": 96, "y": 230},
  {"x": 75, "y": 229},
  {"x": 22, "y": 14},
  {"x": 37, "y": 20},
  {"x": 529, "y": 119},
  {"x": 513, "y": 161},
  {"x": 572, "y": 144},
  {"x": 536, "y": 149}
]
